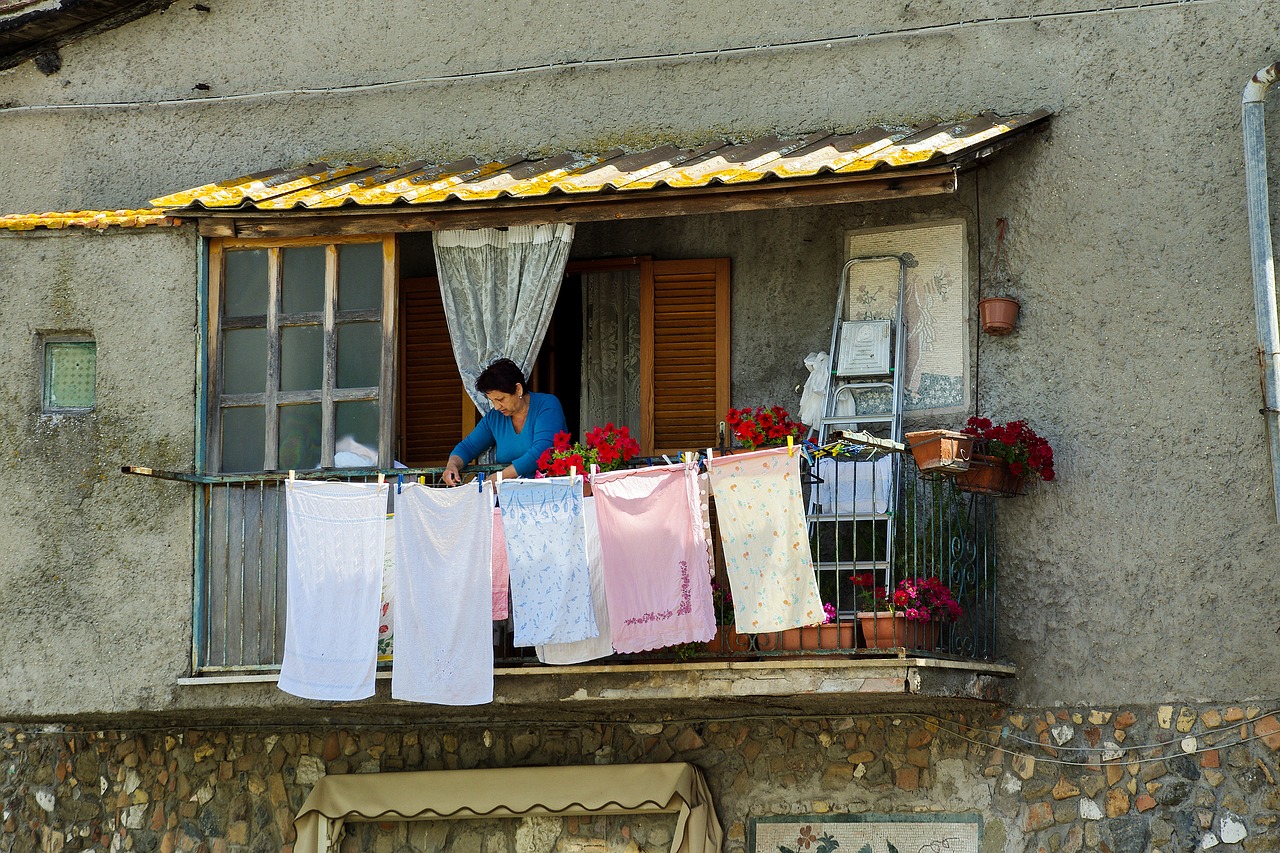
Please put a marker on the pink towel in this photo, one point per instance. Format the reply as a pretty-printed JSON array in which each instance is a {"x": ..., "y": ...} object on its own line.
[
  {"x": 501, "y": 572},
  {"x": 656, "y": 573}
]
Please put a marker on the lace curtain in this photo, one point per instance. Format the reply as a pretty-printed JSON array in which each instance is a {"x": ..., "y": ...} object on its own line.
[
  {"x": 611, "y": 350},
  {"x": 499, "y": 288}
]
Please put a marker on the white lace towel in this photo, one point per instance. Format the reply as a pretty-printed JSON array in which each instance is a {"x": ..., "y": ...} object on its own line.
[{"x": 336, "y": 545}]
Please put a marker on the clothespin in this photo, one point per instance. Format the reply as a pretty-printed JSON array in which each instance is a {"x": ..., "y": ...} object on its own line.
[
  {"x": 480, "y": 482},
  {"x": 666, "y": 458},
  {"x": 791, "y": 445},
  {"x": 293, "y": 475},
  {"x": 594, "y": 469},
  {"x": 399, "y": 483},
  {"x": 497, "y": 483},
  {"x": 710, "y": 454},
  {"x": 422, "y": 479},
  {"x": 573, "y": 473},
  {"x": 382, "y": 478}
]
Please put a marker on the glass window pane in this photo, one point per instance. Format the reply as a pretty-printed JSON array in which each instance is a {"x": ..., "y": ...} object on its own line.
[
  {"x": 301, "y": 358},
  {"x": 302, "y": 282},
  {"x": 245, "y": 290},
  {"x": 299, "y": 437},
  {"x": 244, "y": 361},
  {"x": 359, "y": 276},
  {"x": 359, "y": 355},
  {"x": 70, "y": 368},
  {"x": 244, "y": 438},
  {"x": 356, "y": 432}
]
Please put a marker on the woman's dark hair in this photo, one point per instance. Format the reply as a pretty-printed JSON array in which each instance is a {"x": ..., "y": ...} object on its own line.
[{"x": 503, "y": 375}]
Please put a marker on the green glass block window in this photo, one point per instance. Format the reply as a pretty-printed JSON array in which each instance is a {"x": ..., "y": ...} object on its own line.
[{"x": 70, "y": 368}]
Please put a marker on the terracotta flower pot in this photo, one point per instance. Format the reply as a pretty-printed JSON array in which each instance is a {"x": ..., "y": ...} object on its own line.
[
  {"x": 938, "y": 450},
  {"x": 817, "y": 638},
  {"x": 999, "y": 314},
  {"x": 990, "y": 475},
  {"x": 884, "y": 630}
]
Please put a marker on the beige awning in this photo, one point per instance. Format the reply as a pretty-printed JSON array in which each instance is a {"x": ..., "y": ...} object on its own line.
[{"x": 512, "y": 792}]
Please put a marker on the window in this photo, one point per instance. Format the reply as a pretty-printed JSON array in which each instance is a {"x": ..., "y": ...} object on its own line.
[
  {"x": 301, "y": 353},
  {"x": 679, "y": 375},
  {"x": 70, "y": 371}
]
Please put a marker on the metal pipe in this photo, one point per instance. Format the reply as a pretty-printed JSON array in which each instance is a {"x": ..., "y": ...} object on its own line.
[{"x": 1264, "y": 271}]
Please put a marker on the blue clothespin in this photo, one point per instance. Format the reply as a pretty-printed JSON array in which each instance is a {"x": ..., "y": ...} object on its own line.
[
  {"x": 399, "y": 483},
  {"x": 480, "y": 482}
]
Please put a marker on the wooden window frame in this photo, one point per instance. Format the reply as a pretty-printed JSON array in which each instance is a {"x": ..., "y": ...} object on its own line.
[{"x": 329, "y": 395}]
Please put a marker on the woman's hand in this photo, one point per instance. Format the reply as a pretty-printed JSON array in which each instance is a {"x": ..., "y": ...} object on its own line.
[{"x": 452, "y": 475}]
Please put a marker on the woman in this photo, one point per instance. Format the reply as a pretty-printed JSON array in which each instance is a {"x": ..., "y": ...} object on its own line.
[{"x": 521, "y": 425}]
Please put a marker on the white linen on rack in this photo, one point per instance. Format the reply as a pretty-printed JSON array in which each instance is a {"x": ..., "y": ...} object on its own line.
[
  {"x": 444, "y": 596},
  {"x": 336, "y": 540},
  {"x": 847, "y": 486}
]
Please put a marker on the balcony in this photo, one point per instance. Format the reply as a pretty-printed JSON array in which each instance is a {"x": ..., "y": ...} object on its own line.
[{"x": 913, "y": 527}]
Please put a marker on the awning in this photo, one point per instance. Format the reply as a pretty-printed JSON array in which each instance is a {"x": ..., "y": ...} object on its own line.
[
  {"x": 767, "y": 172},
  {"x": 512, "y": 792}
]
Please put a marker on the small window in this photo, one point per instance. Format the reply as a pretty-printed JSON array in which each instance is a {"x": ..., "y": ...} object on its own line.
[{"x": 70, "y": 368}]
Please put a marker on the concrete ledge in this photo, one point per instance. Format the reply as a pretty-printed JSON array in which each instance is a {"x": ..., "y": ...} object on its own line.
[{"x": 638, "y": 691}]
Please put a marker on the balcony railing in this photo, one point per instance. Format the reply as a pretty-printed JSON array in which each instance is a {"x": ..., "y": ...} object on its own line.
[{"x": 899, "y": 526}]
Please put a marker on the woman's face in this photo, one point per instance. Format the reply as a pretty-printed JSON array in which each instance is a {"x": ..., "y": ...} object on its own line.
[{"x": 507, "y": 404}]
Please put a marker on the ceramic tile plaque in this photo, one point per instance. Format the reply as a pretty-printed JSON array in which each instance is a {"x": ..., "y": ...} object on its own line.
[{"x": 866, "y": 833}]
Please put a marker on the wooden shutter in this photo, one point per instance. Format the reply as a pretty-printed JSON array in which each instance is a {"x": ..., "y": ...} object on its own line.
[
  {"x": 432, "y": 415},
  {"x": 684, "y": 353}
]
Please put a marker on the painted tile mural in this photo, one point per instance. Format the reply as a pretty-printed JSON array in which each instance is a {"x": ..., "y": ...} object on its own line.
[
  {"x": 867, "y": 833},
  {"x": 936, "y": 309}
]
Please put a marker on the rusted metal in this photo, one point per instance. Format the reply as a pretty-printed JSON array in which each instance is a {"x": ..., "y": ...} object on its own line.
[
  {"x": 87, "y": 219},
  {"x": 823, "y": 155}
]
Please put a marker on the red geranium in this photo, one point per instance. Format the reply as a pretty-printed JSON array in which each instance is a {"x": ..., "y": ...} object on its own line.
[
  {"x": 762, "y": 427},
  {"x": 607, "y": 448},
  {"x": 1017, "y": 444}
]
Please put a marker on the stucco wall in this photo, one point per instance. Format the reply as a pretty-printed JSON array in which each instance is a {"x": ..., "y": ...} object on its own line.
[
  {"x": 1126, "y": 243},
  {"x": 95, "y": 565}
]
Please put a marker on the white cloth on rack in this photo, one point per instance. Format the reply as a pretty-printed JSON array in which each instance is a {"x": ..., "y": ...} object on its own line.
[
  {"x": 596, "y": 647},
  {"x": 547, "y": 557},
  {"x": 851, "y": 487},
  {"x": 444, "y": 596},
  {"x": 335, "y": 535},
  {"x": 814, "y": 396}
]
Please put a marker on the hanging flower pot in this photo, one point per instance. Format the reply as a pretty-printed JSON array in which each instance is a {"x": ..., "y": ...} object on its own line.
[
  {"x": 999, "y": 314},
  {"x": 940, "y": 450},
  {"x": 990, "y": 475}
]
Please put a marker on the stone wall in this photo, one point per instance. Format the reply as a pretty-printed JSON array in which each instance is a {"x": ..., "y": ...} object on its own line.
[{"x": 1118, "y": 779}]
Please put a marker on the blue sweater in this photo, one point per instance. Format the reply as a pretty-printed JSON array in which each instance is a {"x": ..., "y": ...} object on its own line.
[{"x": 520, "y": 450}]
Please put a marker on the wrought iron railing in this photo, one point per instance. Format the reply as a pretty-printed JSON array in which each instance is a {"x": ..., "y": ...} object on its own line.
[{"x": 913, "y": 528}]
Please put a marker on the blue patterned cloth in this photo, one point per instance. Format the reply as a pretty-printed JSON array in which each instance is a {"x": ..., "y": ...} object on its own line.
[{"x": 547, "y": 553}]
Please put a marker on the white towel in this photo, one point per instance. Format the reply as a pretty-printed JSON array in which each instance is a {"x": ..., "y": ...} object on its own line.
[
  {"x": 848, "y": 487},
  {"x": 596, "y": 647},
  {"x": 336, "y": 545},
  {"x": 444, "y": 593}
]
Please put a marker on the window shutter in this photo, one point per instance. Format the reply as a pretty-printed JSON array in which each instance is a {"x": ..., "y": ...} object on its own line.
[
  {"x": 684, "y": 353},
  {"x": 433, "y": 397}
]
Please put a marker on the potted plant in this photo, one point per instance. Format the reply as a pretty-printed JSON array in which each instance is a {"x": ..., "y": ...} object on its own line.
[
  {"x": 1005, "y": 456},
  {"x": 608, "y": 448},
  {"x": 762, "y": 427},
  {"x": 999, "y": 314},
  {"x": 828, "y": 635},
  {"x": 911, "y": 617}
]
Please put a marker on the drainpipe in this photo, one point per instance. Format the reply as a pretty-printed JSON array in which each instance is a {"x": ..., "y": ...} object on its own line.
[{"x": 1264, "y": 270}]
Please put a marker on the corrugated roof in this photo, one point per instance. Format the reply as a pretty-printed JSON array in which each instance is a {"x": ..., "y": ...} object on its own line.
[
  {"x": 320, "y": 186},
  {"x": 87, "y": 219}
]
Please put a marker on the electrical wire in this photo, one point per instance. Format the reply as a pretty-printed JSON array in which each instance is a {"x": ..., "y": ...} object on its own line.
[{"x": 622, "y": 61}]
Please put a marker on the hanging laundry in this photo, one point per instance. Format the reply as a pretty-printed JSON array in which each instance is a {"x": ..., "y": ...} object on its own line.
[
  {"x": 547, "y": 556},
  {"x": 336, "y": 539},
  {"x": 849, "y": 486},
  {"x": 600, "y": 646},
  {"x": 765, "y": 538},
  {"x": 501, "y": 571},
  {"x": 656, "y": 569},
  {"x": 443, "y": 602}
]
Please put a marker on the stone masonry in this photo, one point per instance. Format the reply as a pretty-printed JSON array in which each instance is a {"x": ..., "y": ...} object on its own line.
[{"x": 1121, "y": 779}]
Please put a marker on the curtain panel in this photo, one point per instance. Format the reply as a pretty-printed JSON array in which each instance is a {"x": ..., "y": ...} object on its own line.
[{"x": 499, "y": 289}]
